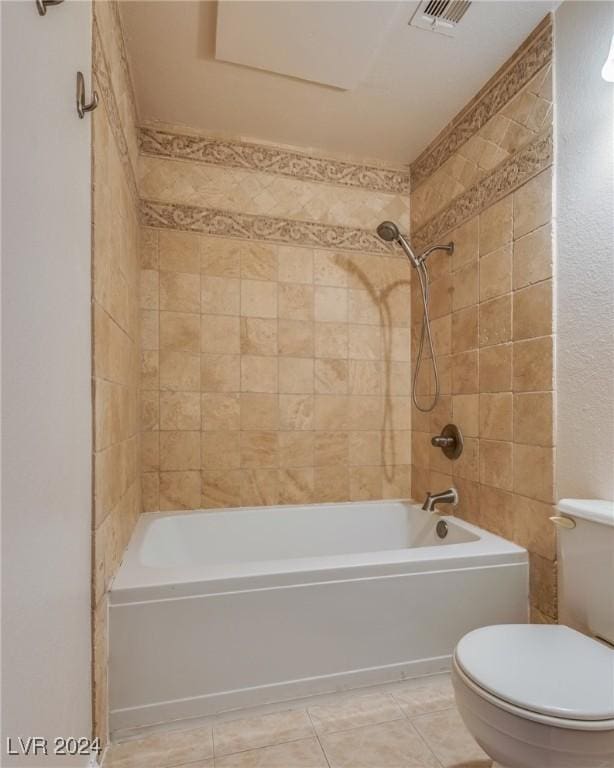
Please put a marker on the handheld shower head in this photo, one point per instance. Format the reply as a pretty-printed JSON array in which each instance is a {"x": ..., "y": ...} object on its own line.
[{"x": 389, "y": 232}]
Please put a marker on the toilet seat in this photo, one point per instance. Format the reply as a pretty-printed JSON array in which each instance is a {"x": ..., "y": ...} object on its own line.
[{"x": 546, "y": 673}]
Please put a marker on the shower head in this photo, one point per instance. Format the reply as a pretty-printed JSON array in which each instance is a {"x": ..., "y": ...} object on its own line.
[{"x": 388, "y": 231}]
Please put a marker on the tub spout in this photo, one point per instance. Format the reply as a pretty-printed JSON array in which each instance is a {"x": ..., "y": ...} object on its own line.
[{"x": 444, "y": 497}]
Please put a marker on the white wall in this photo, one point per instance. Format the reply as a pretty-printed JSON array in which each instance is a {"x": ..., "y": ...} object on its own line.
[
  {"x": 585, "y": 251},
  {"x": 46, "y": 361}
]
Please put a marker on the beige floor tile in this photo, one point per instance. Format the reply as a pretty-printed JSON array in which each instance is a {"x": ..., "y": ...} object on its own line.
[
  {"x": 446, "y": 735},
  {"x": 387, "y": 745},
  {"x": 162, "y": 750},
  {"x": 253, "y": 732},
  {"x": 424, "y": 695},
  {"x": 353, "y": 712},
  {"x": 305, "y": 753}
]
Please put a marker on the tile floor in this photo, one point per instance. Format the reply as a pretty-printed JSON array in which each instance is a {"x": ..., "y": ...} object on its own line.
[{"x": 413, "y": 724}]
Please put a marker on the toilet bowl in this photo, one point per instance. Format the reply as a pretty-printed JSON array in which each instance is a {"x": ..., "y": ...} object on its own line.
[{"x": 537, "y": 696}]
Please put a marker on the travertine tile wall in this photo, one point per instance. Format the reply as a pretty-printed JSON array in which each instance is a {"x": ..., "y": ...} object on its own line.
[
  {"x": 115, "y": 323},
  {"x": 491, "y": 304},
  {"x": 275, "y": 363}
]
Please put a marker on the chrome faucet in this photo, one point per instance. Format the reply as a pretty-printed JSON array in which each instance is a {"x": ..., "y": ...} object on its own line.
[{"x": 445, "y": 497}]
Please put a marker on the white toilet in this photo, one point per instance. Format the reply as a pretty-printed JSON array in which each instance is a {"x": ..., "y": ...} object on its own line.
[{"x": 541, "y": 696}]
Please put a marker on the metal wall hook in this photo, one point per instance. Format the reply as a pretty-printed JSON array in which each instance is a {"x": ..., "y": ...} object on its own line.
[
  {"x": 82, "y": 107},
  {"x": 42, "y": 5}
]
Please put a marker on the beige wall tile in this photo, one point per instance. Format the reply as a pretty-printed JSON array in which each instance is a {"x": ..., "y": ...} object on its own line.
[
  {"x": 467, "y": 465},
  {"x": 496, "y": 273},
  {"x": 331, "y": 304},
  {"x": 258, "y": 374},
  {"x": 180, "y": 490},
  {"x": 296, "y": 375},
  {"x": 150, "y": 370},
  {"x": 365, "y": 377},
  {"x": 495, "y": 365},
  {"x": 220, "y": 450},
  {"x": 150, "y": 491},
  {"x": 258, "y": 336},
  {"x": 221, "y": 488},
  {"x": 496, "y": 321},
  {"x": 331, "y": 340},
  {"x": 440, "y": 298},
  {"x": 179, "y": 251},
  {"x": 221, "y": 373},
  {"x": 331, "y": 376},
  {"x": 496, "y": 225},
  {"x": 496, "y": 511},
  {"x": 363, "y": 307},
  {"x": 365, "y": 483},
  {"x": 258, "y": 298},
  {"x": 465, "y": 239},
  {"x": 543, "y": 585},
  {"x": 179, "y": 370},
  {"x": 259, "y": 450},
  {"x": 150, "y": 414},
  {"x": 259, "y": 487},
  {"x": 148, "y": 250},
  {"x": 533, "y": 365},
  {"x": 465, "y": 373},
  {"x": 150, "y": 289},
  {"x": 258, "y": 261},
  {"x": 465, "y": 290},
  {"x": 465, "y": 329},
  {"x": 365, "y": 448},
  {"x": 259, "y": 411},
  {"x": 220, "y": 412},
  {"x": 533, "y": 257},
  {"x": 331, "y": 483},
  {"x": 295, "y": 265},
  {"x": 296, "y": 485},
  {"x": 331, "y": 412},
  {"x": 364, "y": 342},
  {"x": 180, "y": 410},
  {"x": 533, "y": 472},
  {"x": 295, "y": 301},
  {"x": 179, "y": 450},
  {"x": 533, "y": 204},
  {"x": 150, "y": 329},
  {"x": 330, "y": 269},
  {"x": 179, "y": 292},
  {"x": 331, "y": 448},
  {"x": 179, "y": 330},
  {"x": 496, "y": 416},
  {"x": 533, "y": 311},
  {"x": 220, "y": 295},
  {"x": 220, "y": 334},
  {"x": 296, "y": 449},
  {"x": 296, "y": 338},
  {"x": 296, "y": 412},
  {"x": 496, "y": 464},
  {"x": 220, "y": 258},
  {"x": 533, "y": 418},
  {"x": 466, "y": 414}
]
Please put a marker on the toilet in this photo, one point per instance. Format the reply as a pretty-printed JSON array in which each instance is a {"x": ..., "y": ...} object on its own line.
[{"x": 542, "y": 696}]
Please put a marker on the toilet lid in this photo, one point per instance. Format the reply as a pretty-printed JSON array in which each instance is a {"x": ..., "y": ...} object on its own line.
[{"x": 550, "y": 670}]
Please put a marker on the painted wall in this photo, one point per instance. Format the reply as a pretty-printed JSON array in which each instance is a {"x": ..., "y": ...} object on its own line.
[
  {"x": 46, "y": 384},
  {"x": 274, "y": 326},
  {"x": 585, "y": 247},
  {"x": 115, "y": 292},
  {"x": 486, "y": 184}
]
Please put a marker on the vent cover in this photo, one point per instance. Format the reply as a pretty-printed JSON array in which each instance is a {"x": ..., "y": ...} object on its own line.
[{"x": 440, "y": 15}]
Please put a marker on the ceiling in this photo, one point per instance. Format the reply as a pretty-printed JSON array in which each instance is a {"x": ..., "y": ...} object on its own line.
[{"x": 400, "y": 85}]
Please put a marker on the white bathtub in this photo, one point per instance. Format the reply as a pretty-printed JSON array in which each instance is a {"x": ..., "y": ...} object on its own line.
[{"x": 212, "y": 611}]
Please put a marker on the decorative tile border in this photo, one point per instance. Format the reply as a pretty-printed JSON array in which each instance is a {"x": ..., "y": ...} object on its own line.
[
  {"x": 258, "y": 157},
  {"x": 533, "y": 54},
  {"x": 509, "y": 175},
  {"x": 103, "y": 81},
  {"x": 220, "y": 223}
]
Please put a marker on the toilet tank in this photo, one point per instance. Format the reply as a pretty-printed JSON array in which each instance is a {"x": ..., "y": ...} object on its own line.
[{"x": 586, "y": 567}]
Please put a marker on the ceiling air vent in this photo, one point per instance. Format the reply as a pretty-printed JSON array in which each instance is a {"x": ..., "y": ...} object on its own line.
[{"x": 440, "y": 15}]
